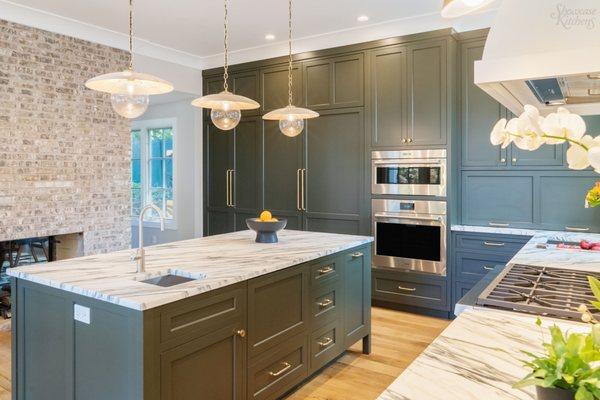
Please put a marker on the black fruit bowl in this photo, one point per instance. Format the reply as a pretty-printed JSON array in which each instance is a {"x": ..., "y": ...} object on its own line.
[{"x": 266, "y": 232}]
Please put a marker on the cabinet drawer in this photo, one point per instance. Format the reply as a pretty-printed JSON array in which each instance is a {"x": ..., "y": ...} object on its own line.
[
  {"x": 277, "y": 308},
  {"x": 274, "y": 373},
  {"x": 508, "y": 245},
  {"x": 473, "y": 266},
  {"x": 325, "y": 345},
  {"x": 325, "y": 304},
  {"x": 417, "y": 291},
  {"x": 325, "y": 272},
  {"x": 201, "y": 314}
]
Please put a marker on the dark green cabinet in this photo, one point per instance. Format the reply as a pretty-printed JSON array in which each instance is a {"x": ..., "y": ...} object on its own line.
[
  {"x": 334, "y": 82},
  {"x": 334, "y": 174},
  {"x": 274, "y": 87},
  {"x": 357, "y": 293}
]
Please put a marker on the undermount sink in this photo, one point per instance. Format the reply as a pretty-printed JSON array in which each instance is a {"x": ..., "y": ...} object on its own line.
[{"x": 167, "y": 280}]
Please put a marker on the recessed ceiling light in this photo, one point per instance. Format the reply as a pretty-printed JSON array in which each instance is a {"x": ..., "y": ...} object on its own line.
[
  {"x": 362, "y": 18},
  {"x": 270, "y": 36}
]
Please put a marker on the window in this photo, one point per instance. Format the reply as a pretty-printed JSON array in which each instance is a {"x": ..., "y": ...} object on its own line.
[{"x": 152, "y": 168}]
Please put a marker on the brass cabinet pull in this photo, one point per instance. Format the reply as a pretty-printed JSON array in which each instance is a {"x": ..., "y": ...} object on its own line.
[
  {"x": 325, "y": 342},
  {"x": 573, "y": 229},
  {"x": 358, "y": 254},
  {"x": 325, "y": 270},
  {"x": 514, "y": 161},
  {"x": 325, "y": 303},
  {"x": 488, "y": 268},
  {"x": 403, "y": 140},
  {"x": 409, "y": 140},
  {"x": 303, "y": 187},
  {"x": 227, "y": 188},
  {"x": 494, "y": 244},
  {"x": 498, "y": 224},
  {"x": 407, "y": 289},
  {"x": 298, "y": 189},
  {"x": 232, "y": 187},
  {"x": 503, "y": 160},
  {"x": 241, "y": 332},
  {"x": 286, "y": 366}
]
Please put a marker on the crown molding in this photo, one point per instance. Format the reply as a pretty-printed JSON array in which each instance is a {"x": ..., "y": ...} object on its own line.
[{"x": 66, "y": 26}]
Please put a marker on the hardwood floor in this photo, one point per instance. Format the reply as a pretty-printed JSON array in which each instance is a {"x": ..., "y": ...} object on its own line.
[{"x": 398, "y": 338}]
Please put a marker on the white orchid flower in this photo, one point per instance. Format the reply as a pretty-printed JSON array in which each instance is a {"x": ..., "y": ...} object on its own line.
[
  {"x": 563, "y": 125},
  {"x": 594, "y": 156},
  {"x": 526, "y": 129},
  {"x": 500, "y": 135},
  {"x": 578, "y": 157}
]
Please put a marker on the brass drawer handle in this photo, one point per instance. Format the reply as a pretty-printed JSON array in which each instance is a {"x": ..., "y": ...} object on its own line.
[
  {"x": 240, "y": 333},
  {"x": 325, "y": 270},
  {"x": 325, "y": 303},
  {"x": 498, "y": 224},
  {"x": 358, "y": 254},
  {"x": 286, "y": 366},
  {"x": 494, "y": 244},
  {"x": 488, "y": 268},
  {"x": 407, "y": 289},
  {"x": 573, "y": 229},
  {"x": 325, "y": 343}
]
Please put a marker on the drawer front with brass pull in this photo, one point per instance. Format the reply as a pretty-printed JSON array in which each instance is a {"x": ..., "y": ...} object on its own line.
[
  {"x": 325, "y": 272},
  {"x": 472, "y": 266},
  {"x": 273, "y": 373},
  {"x": 506, "y": 244},
  {"x": 324, "y": 304},
  {"x": 410, "y": 289},
  {"x": 325, "y": 345}
]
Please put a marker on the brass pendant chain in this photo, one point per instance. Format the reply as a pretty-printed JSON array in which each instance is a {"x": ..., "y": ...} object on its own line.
[
  {"x": 290, "y": 52},
  {"x": 226, "y": 46},
  {"x": 131, "y": 35}
]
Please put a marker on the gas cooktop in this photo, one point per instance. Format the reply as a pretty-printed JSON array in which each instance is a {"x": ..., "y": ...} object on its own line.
[{"x": 552, "y": 292}]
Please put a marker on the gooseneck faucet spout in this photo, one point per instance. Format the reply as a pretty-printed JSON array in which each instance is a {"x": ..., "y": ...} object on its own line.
[{"x": 141, "y": 253}]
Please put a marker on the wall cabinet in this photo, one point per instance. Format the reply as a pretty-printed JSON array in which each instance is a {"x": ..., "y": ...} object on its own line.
[
  {"x": 409, "y": 86},
  {"x": 274, "y": 87}
]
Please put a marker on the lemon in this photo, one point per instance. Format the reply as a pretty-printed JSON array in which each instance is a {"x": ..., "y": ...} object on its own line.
[
  {"x": 265, "y": 216},
  {"x": 274, "y": 219}
]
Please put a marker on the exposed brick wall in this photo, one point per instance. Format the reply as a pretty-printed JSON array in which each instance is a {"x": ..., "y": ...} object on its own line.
[{"x": 64, "y": 154}]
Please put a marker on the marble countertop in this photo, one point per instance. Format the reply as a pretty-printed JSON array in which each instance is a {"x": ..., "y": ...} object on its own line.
[
  {"x": 477, "y": 357},
  {"x": 217, "y": 261},
  {"x": 493, "y": 229}
]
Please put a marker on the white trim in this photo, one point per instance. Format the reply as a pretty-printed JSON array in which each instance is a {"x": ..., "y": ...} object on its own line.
[{"x": 143, "y": 125}]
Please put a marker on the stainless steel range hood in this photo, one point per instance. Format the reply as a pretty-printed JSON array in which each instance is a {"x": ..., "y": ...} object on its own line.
[{"x": 545, "y": 53}]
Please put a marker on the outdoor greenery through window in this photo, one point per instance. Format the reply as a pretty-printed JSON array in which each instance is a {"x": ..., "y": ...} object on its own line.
[{"x": 152, "y": 168}]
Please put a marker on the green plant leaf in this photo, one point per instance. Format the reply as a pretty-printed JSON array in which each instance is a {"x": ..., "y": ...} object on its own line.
[{"x": 595, "y": 286}]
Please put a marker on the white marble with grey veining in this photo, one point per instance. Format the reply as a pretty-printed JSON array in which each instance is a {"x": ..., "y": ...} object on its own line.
[
  {"x": 494, "y": 229},
  {"x": 218, "y": 261},
  {"x": 478, "y": 357}
]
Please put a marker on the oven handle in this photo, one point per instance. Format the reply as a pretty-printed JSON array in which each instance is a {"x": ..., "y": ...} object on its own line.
[
  {"x": 397, "y": 216},
  {"x": 407, "y": 162}
]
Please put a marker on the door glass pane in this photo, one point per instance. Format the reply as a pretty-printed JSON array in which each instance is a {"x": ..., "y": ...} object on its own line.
[
  {"x": 136, "y": 199},
  {"x": 156, "y": 173},
  {"x": 169, "y": 173},
  {"x": 168, "y": 203},
  {"x": 168, "y": 142},
  {"x": 157, "y": 196},
  {"x": 408, "y": 175},
  {"x": 421, "y": 242},
  {"x": 135, "y": 144},
  {"x": 156, "y": 142},
  {"x": 136, "y": 173}
]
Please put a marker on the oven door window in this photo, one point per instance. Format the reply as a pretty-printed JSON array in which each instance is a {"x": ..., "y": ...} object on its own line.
[
  {"x": 397, "y": 175},
  {"x": 421, "y": 242}
]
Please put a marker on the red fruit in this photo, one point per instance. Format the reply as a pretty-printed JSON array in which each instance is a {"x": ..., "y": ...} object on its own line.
[
  {"x": 595, "y": 247},
  {"x": 584, "y": 244}
]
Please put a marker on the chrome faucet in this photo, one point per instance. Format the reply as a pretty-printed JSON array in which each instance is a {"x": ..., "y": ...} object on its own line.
[{"x": 141, "y": 253}]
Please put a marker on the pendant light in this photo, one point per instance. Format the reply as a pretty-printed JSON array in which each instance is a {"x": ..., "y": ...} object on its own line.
[
  {"x": 291, "y": 118},
  {"x": 458, "y": 8},
  {"x": 129, "y": 89},
  {"x": 225, "y": 107}
]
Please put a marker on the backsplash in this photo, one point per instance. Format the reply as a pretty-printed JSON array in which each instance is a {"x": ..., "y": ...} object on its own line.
[{"x": 64, "y": 164}]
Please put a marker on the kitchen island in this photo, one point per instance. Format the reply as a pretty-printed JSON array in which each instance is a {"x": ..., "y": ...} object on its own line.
[
  {"x": 479, "y": 355},
  {"x": 250, "y": 321}
]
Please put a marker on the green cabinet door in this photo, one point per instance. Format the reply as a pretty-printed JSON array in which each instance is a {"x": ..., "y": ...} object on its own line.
[
  {"x": 282, "y": 170},
  {"x": 247, "y": 84},
  {"x": 210, "y": 367},
  {"x": 219, "y": 162},
  {"x": 274, "y": 87},
  {"x": 357, "y": 295},
  {"x": 334, "y": 82},
  {"x": 247, "y": 175},
  {"x": 480, "y": 112},
  {"x": 498, "y": 199},
  {"x": 335, "y": 172},
  {"x": 389, "y": 97},
  {"x": 427, "y": 87}
]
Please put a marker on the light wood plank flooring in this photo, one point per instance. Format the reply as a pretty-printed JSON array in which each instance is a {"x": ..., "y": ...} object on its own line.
[{"x": 398, "y": 338}]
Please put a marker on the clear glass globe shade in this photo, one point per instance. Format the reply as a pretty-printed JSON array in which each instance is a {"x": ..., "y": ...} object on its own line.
[
  {"x": 291, "y": 126},
  {"x": 129, "y": 106},
  {"x": 225, "y": 119}
]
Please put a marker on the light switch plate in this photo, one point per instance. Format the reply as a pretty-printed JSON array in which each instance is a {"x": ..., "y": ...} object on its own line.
[{"x": 81, "y": 314}]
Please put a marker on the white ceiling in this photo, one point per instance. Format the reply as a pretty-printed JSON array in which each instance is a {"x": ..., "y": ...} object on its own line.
[{"x": 194, "y": 28}]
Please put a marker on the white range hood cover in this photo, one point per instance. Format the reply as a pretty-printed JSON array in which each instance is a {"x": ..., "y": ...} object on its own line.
[{"x": 537, "y": 39}]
